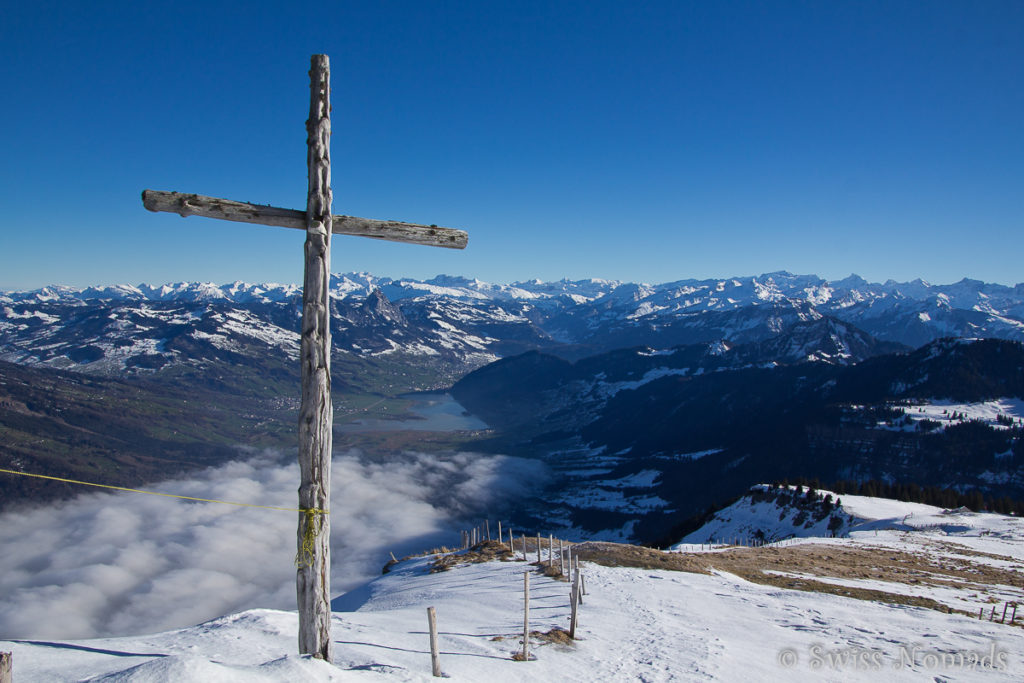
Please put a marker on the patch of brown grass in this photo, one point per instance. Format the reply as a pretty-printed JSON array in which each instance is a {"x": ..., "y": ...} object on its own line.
[
  {"x": 552, "y": 570},
  {"x": 440, "y": 550},
  {"x": 556, "y": 636},
  {"x": 822, "y": 561},
  {"x": 485, "y": 551}
]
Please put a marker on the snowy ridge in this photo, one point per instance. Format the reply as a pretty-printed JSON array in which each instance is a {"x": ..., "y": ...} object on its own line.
[
  {"x": 681, "y": 295},
  {"x": 767, "y": 515},
  {"x": 467, "y": 322}
]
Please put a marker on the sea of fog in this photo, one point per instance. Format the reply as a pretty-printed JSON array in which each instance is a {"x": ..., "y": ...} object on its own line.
[{"x": 106, "y": 564}]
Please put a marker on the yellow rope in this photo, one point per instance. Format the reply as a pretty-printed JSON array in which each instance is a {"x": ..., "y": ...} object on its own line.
[
  {"x": 312, "y": 512},
  {"x": 307, "y": 551},
  {"x": 303, "y": 558}
]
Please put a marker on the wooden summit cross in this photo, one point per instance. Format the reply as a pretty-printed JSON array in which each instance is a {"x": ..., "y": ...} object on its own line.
[{"x": 313, "y": 559}]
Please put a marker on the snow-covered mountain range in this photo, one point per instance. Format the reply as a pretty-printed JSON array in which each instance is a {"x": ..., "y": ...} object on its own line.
[{"x": 459, "y": 323}]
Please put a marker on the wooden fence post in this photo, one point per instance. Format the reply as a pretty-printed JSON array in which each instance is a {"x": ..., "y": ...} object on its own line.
[
  {"x": 501, "y": 539},
  {"x": 579, "y": 575},
  {"x": 981, "y": 613},
  {"x": 583, "y": 582},
  {"x": 574, "y": 598},
  {"x": 524, "y": 548},
  {"x": 551, "y": 549},
  {"x": 6, "y": 667},
  {"x": 1002, "y": 619},
  {"x": 526, "y": 616},
  {"x": 538, "y": 547},
  {"x": 561, "y": 557},
  {"x": 992, "y": 616},
  {"x": 435, "y": 657},
  {"x": 487, "y": 525}
]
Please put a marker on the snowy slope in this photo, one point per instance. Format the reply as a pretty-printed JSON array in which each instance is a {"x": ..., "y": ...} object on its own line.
[
  {"x": 1000, "y": 413},
  {"x": 635, "y": 624},
  {"x": 768, "y": 515}
]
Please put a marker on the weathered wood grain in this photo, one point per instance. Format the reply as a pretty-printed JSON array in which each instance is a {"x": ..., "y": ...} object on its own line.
[
  {"x": 435, "y": 657},
  {"x": 315, "y": 414},
  {"x": 313, "y": 575},
  {"x": 526, "y": 616},
  {"x": 574, "y": 599},
  {"x": 185, "y": 204}
]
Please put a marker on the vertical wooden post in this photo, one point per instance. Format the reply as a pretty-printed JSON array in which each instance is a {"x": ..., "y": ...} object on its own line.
[
  {"x": 435, "y": 657},
  {"x": 313, "y": 576},
  {"x": 6, "y": 667},
  {"x": 580, "y": 591},
  {"x": 501, "y": 539},
  {"x": 981, "y": 613},
  {"x": 573, "y": 603},
  {"x": 992, "y": 616},
  {"x": 526, "y": 616},
  {"x": 538, "y": 547},
  {"x": 524, "y": 548},
  {"x": 487, "y": 526},
  {"x": 551, "y": 549},
  {"x": 561, "y": 558},
  {"x": 1002, "y": 619}
]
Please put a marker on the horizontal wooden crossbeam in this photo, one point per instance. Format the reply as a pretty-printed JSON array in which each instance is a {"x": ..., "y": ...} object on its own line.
[{"x": 243, "y": 212}]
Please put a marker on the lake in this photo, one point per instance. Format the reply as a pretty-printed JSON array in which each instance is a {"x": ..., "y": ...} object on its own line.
[{"x": 434, "y": 413}]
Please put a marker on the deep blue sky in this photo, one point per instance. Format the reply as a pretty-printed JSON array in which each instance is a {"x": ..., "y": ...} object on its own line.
[{"x": 640, "y": 141}]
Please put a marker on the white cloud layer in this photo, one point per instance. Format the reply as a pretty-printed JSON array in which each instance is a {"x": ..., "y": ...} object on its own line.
[{"x": 123, "y": 563}]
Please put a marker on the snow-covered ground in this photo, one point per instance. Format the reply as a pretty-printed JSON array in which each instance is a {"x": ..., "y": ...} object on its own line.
[
  {"x": 635, "y": 624},
  {"x": 751, "y": 520},
  {"x": 948, "y": 413}
]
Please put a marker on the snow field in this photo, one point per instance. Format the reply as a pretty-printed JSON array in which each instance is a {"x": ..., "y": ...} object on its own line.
[
  {"x": 634, "y": 624},
  {"x": 941, "y": 411}
]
